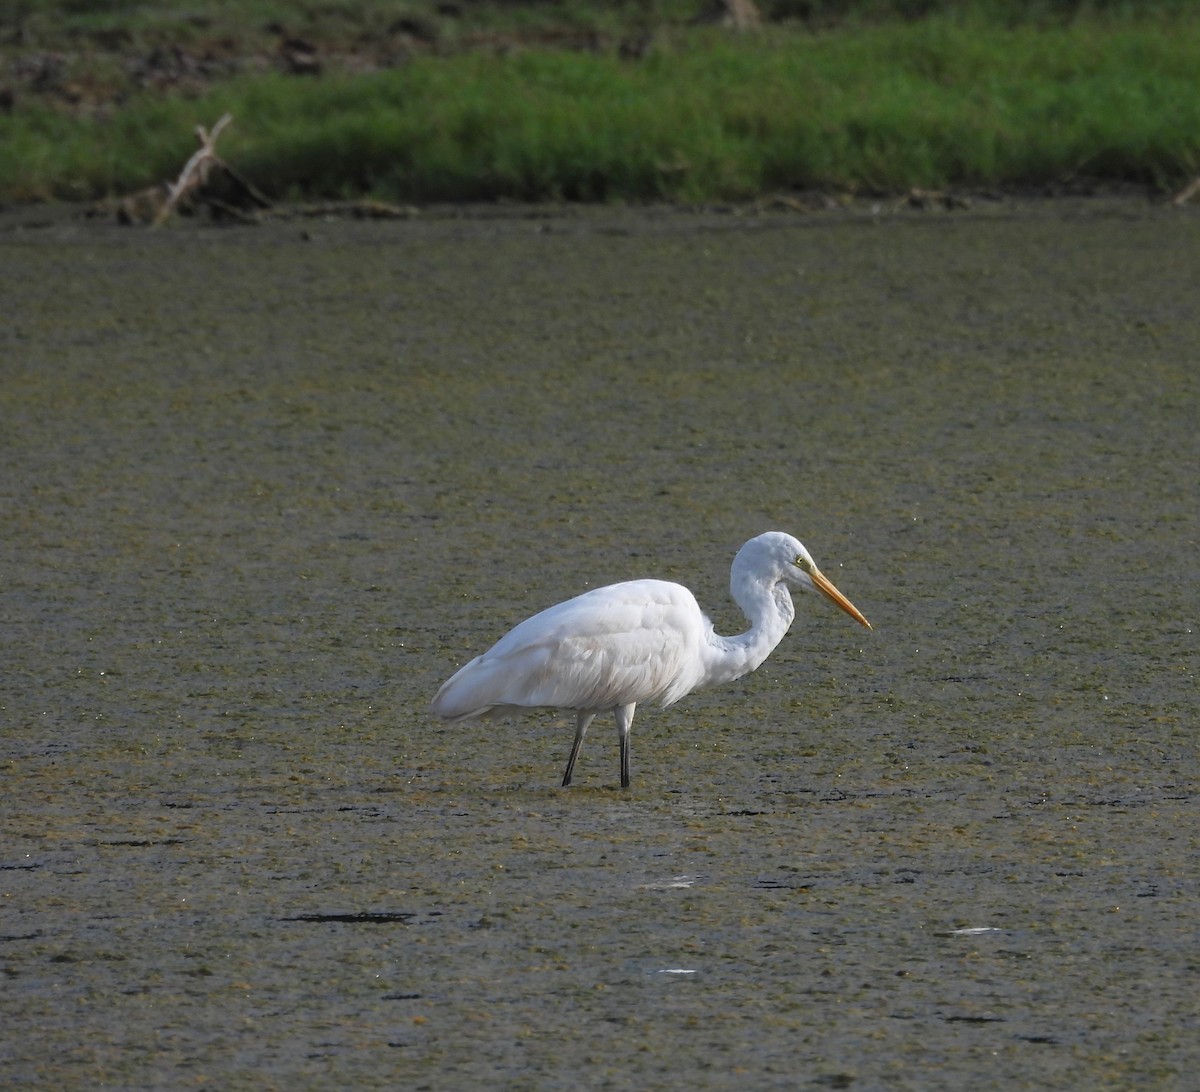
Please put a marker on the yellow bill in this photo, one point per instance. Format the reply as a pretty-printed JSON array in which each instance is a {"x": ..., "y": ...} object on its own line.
[{"x": 826, "y": 588}]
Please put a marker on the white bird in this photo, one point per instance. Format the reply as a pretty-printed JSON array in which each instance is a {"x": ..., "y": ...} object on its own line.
[{"x": 641, "y": 641}]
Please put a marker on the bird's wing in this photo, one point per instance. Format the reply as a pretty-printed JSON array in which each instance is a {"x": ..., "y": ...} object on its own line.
[{"x": 632, "y": 642}]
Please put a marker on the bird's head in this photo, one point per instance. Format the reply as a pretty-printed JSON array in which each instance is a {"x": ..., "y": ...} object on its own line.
[{"x": 794, "y": 566}]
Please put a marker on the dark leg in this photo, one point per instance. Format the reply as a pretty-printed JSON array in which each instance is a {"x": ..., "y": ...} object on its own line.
[
  {"x": 582, "y": 720},
  {"x": 624, "y": 715}
]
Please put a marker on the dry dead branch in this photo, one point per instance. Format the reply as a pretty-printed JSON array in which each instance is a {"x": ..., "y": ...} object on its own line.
[
  {"x": 196, "y": 171},
  {"x": 1187, "y": 193},
  {"x": 206, "y": 181}
]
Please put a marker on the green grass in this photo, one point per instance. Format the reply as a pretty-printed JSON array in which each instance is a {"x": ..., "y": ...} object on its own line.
[{"x": 941, "y": 102}]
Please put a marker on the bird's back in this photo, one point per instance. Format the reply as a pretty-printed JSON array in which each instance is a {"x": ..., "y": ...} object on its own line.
[{"x": 639, "y": 641}]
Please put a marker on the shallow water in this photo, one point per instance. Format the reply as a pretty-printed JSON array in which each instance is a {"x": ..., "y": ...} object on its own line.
[{"x": 264, "y": 488}]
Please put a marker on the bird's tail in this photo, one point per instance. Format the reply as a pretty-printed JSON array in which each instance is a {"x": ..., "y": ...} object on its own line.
[{"x": 456, "y": 699}]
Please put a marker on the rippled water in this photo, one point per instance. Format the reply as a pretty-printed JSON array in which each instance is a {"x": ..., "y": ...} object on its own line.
[{"x": 264, "y": 489}]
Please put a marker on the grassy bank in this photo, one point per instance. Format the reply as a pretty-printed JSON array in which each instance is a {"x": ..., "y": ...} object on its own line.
[{"x": 693, "y": 114}]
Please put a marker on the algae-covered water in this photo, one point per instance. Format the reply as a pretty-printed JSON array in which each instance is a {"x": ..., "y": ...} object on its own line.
[{"x": 264, "y": 488}]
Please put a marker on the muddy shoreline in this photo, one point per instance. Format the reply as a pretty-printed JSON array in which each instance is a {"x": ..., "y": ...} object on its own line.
[{"x": 1070, "y": 198}]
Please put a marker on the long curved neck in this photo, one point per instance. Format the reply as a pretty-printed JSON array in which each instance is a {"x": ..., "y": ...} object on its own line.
[{"x": 769, "y": 609}]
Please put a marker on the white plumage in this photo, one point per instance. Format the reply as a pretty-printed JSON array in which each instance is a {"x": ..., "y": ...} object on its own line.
[{"x": 641, "y": 641}]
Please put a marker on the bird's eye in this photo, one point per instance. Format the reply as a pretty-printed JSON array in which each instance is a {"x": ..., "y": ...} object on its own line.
[{"x": 803, "y": 564}]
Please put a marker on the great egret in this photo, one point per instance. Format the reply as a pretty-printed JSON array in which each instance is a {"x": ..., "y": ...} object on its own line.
[{"x": 644, "y": 640}]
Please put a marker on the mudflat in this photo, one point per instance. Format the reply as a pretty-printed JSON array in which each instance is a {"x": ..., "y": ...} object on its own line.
[{"x": 265, "y": 487}]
